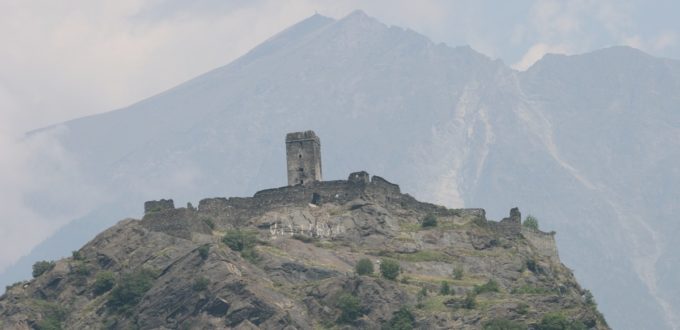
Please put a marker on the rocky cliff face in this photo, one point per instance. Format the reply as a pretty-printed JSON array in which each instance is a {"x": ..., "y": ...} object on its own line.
[{"x": 286, "y": 259}]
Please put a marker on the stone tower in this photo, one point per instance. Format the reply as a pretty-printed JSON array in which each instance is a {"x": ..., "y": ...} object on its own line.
[{"x": 303, "y": 155}]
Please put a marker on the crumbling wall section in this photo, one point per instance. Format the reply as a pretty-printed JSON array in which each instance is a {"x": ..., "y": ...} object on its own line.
[
  {"x": 175, "y": 222},
  {"x": 543, "y": 242},
  {"x": 157, "y": 206}
]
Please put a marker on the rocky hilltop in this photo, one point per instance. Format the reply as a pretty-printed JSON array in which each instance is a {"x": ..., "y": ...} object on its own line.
[{"x": 289, "y": 258}]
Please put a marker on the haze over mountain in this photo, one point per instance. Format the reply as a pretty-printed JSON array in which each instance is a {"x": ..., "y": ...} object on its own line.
[{"x": 586, "y": 143}]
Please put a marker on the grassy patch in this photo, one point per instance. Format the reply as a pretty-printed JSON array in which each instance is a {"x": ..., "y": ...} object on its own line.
[
  {"x": 410, "y": 227},
  {"x": 272, "y": 250},
  {"x": 529, "y": 289},
  {"x": 435, "y": 304},
  {"x": 420, "y": 256},
  {"x": 325, "y": 244}
]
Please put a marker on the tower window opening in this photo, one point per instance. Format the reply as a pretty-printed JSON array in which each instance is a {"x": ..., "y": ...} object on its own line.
[{"x": 300, "y": 156}]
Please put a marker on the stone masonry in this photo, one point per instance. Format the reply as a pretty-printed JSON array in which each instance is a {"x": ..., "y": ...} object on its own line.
[{"x": 303, "y": 157}]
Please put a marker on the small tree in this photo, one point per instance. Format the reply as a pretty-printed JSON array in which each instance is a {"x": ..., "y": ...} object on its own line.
[
  {"x": 200, "y": 284},
  {"x": 444, "y": 289},
  {"x": 470, "y": 301},
  {"x": 429, "y": 221},
  {"x": 364, "y": 267},
  {"x": 530, "y": 222},
  {"x": 239, "y": 240},
  {"x": 350, "y": 308},
  {"x": 588, "y": 297},
  {"x": 532, "y": 265},
  {"x": 489, "y": 286},
  {"x": 42, "y": 267},
  {"x": 203, "y": 251},
  {"x": 130, "y": 290},
  {"x": 402, "y": 319},
  {"x": 53, "y": 315},
  {"x": 103, "y": 282},
  {"x": 77, "y": 255},
  {"x": 389, "y": 269},
  {"x": 422, "y": 294},
  {"x": 251, "y": 255},
  {"x": 458, "y": 273}
]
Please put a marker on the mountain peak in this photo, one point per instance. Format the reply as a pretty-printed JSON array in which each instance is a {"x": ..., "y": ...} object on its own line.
[
  {"x": 357, "y": 14},
  {"x": 360, "y": 18},
  {"x": 290, "y": 35}
]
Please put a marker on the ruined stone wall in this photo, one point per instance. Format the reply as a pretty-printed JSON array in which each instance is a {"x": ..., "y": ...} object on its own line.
[
  {"x": 510, "y": 226},
  {"x": 303, "y": 158},
  {"x": 236, "y": 211},
  {"x": 543, "y": 242},
  {"x": 175, "y": 222},
  {"x": 157, "y": 206}
]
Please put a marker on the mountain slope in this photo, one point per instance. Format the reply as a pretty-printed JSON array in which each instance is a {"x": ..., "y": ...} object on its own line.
[
  {"x": 586, "y": 143},
  {"x": 287, "y": 264}
]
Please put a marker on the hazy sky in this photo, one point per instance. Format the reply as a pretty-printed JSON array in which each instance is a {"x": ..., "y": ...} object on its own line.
[{"x": 65, "y": 59}]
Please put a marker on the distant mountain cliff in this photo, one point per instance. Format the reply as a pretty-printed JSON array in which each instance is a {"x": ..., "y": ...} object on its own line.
[
  {"x": 587, "y": 143},
  {"x": 343, "y": 254}
]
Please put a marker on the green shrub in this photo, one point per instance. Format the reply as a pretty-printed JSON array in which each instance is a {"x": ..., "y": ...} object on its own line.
[
  {"x": 77, "y": 255},
  {"x": 251, "y": 255},
  {"x": 590, "y": 300},
  {"x": 304, "y": 238},
  {"x": 80, "y": 269},
  {"x": 110, "y": 324},
  {"x": 557, "y": 321},
  {"x": 52, "y": 316},
  {"x": 420, "y": 297},
  {"x": 42, "y": 267},
  {"x": 239, "y": 240},
  {"x": 530, "y": 222},
  {"x": 402, "y": 319},
  {"x": 364, "y": 267},
  {"x": 429, "y": 221},
  {"x": 350, "y": 308},
  {"x": 532, "y": 265},
  {"x": 204, "y": 251},
  {"x": 490, "y": 286},
  {"x": 458, "y": 273},
  {"x": 200, "y": 284},
  {"x": 130, "y": 290},
  {"x": 503, "y": 324},
  {"x": 209, "y": 223},
  {"x": 103, "y": 282},
  {"x": 389, "y": 269},
  {"x": 470, "y": 301},
  {"x": 522, "y": 309},
  {"x": 444, "y": 289}
]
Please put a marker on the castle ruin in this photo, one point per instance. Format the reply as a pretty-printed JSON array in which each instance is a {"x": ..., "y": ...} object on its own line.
[
  {"x": 303, "y": 157},
  {"x": 305, "y": 187}
]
